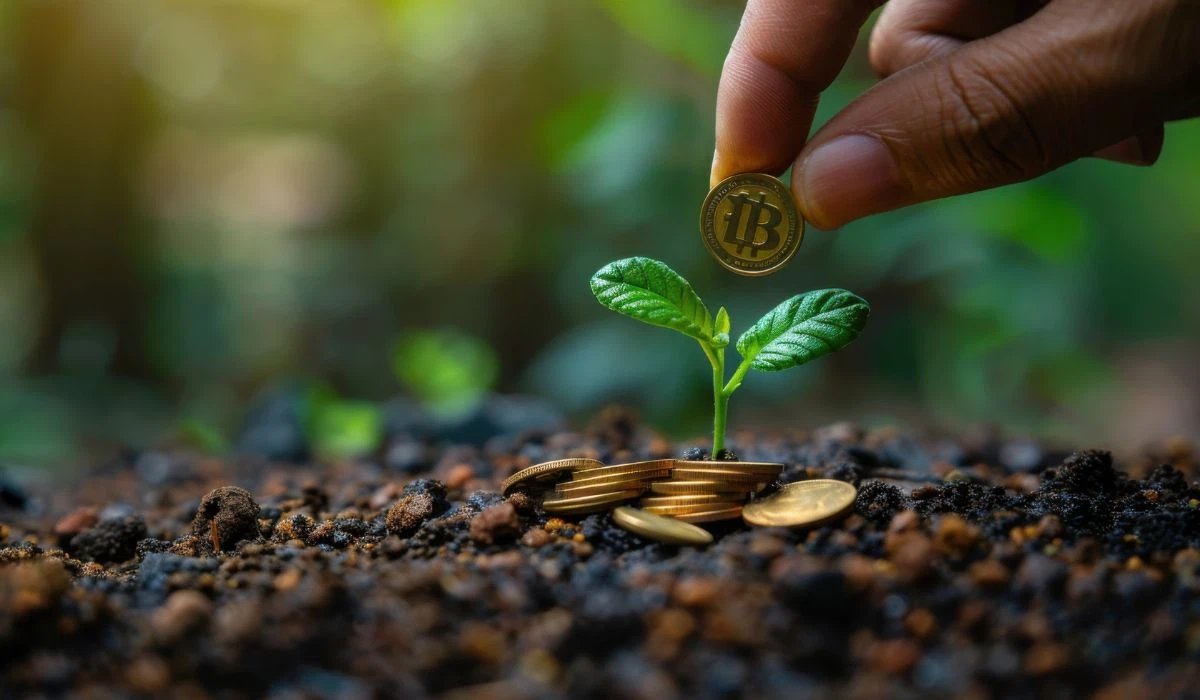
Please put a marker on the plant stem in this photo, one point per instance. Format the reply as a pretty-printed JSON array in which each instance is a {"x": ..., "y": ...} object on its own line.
[
  {"x": 720, "y": 403},
  {"x": 736, "y": 380},
  {"x": 722, "y": 392}
]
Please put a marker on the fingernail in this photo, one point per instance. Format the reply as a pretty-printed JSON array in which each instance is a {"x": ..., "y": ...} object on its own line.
[
  {"x": 847, "y": 179},
  {"x": 712, "y": 171}
]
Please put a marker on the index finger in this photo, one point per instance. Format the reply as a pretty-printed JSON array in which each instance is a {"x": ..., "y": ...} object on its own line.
[{"x": 785, "y": 53}]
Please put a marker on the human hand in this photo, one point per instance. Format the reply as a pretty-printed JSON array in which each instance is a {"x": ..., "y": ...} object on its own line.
[{"x": 976, "y": 94}]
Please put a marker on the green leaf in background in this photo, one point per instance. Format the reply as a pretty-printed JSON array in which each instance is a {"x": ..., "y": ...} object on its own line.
[
  {"x": 803, "y": 328},
  {"x": 653, "y": 293},
  {"x": 344, "y": 429},
  {"x": 721, "y": 328},
  {"x": 448, "y": 370},
  {"x": 1038, "y": 217},
  {"x": 690, "y": 34},
  {"x": 202, "y": 435},
  {"x": 565, "y": 128}
]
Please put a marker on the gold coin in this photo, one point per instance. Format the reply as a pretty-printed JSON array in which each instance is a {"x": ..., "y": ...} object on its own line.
[
  {"x": 572, "y": 488},
  {"x": 710, "y": 515},
  {"x": 653, "y": 466},
  {"x": 771, "y": 468},
  {"x": 693, "y": 499},
  {"x": 587, "y": 504},
  {"x": 724, "y": 475},
  {"x": 657, "y": 527},
  {"x": 803, "y": 504},
  {"x": 690, "y": 508},
  {"x": 750, "y": 225},
  {"x": 547, "y": 470},
  {"x": 644, "y": 477},
  {"x": 671, "y": 487}
]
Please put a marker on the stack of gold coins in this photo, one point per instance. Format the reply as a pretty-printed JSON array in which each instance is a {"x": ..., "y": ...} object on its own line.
[
  {"x": 537, "y": 477},
  {"x": 604, "y": 488},
  {"x": 699, "y": 492}
]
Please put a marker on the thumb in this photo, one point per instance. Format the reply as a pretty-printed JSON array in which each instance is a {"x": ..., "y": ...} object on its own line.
[{"x": 999, "y": 110}]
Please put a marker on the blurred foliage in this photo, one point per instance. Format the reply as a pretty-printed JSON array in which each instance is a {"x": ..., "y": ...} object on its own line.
[
  {"x": 199, "y": 200},
  {"x": 448, "y": 370},
  {"x": 338, "y": 427}
]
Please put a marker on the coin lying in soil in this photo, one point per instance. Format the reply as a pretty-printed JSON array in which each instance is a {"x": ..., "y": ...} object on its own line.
[
  {"x": 588, "y": 504},
  {"x": 657, "y": 527},
  {"x": 708, "y": 516},
  {"x": 685, "y": 488},
  {"x": 750, "y": 225},
  {"x": 707, "y": 490},
  {"x": 599, "y": 488},
  {"x": 723, "y": 475},
  {"x": 548, "y": 471},
  {"x": 770, "y": 468},
  {"x": 693, "y": 499},
  {"x": 648, "y": 469},
  {"x": 803, "y": 504},
  {"x": 591, "y": 487}
]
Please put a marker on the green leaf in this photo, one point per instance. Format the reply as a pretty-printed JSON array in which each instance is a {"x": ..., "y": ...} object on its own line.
[
  {"x": 721, "y": 328},
  {"x": 653, "y": 293},
  {"x": 803, "y": 328},
  {"x": 202, "y": 435},
  {"x": 449, "y": 370},
  {"x": 693, "y": 35},
  {"x": 342, "y": 429}
]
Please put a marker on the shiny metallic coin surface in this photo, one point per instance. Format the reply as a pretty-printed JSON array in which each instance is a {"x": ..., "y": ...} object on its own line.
[
  {"x": 693, "y": 499},
  {"x": 640, "y": 468},
  {"x": 548, "y": 470},
  {"x": 690, "y": 508},
  {"x": 643, "y": 476},
  {"x": 672, "y": 487},
  {"x": 582, "y": 504},
  {"x": 657, "y": 527},
  {"x": 710, "y": 515},
  {"x": 590, "y": 487},
  {"x": 749, "y": 223},
  {"x": 803, "y": 504},
  {"x": 751, "y": 479},
  {"x": 770, "y": 468}
]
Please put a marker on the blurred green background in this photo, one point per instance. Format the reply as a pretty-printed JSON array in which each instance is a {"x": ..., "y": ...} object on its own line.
[{"x": 203, "y": 201}]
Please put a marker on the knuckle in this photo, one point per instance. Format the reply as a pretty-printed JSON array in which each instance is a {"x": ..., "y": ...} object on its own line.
[
  {"x": 883, "y": 50},
  {"x": 988, "y": 135}
]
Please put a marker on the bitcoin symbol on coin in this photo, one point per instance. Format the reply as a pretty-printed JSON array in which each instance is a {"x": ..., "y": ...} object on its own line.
[
  {"x": 745, "y": 236},
  {"x": 760, "y": 229}
]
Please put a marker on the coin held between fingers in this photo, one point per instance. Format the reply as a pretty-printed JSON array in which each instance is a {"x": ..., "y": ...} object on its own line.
[{"x": 750, "y": 224}]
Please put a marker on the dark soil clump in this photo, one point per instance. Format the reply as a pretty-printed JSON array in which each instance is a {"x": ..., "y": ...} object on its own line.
[
  {"x": 226, "y": 516},
  {"x": 972, "y": 568},
  {"x": 109, "y": 541}
]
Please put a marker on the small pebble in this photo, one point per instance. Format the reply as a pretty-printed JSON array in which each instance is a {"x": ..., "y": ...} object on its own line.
[{"x": 497, "y": 523}]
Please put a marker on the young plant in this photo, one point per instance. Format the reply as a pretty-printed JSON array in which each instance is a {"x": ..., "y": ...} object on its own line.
[{"x": 800, "y": 329}]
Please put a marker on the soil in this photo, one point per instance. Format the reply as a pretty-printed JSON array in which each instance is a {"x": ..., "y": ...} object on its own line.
[{"x": 974, "y": 567}]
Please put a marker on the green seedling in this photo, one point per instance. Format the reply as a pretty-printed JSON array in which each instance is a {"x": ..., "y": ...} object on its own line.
[{"x": 800, "y": 329}]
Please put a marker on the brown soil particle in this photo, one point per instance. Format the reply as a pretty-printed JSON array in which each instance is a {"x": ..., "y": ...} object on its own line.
[
  {"x": 109, "y": 541},
  {"x": 183, "y": 613},
  {"x": 915, "y": 559},
  {"x": 954, "y": 537},
  {"x": 228, "y": 514},
  {"x": 406, "y": 516},
  {"x": 972, "y": 568},
  {"x": 76, "y": 522},
  {"x": 536, "y": 537},
  {"x": 496, "y": 523}
]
